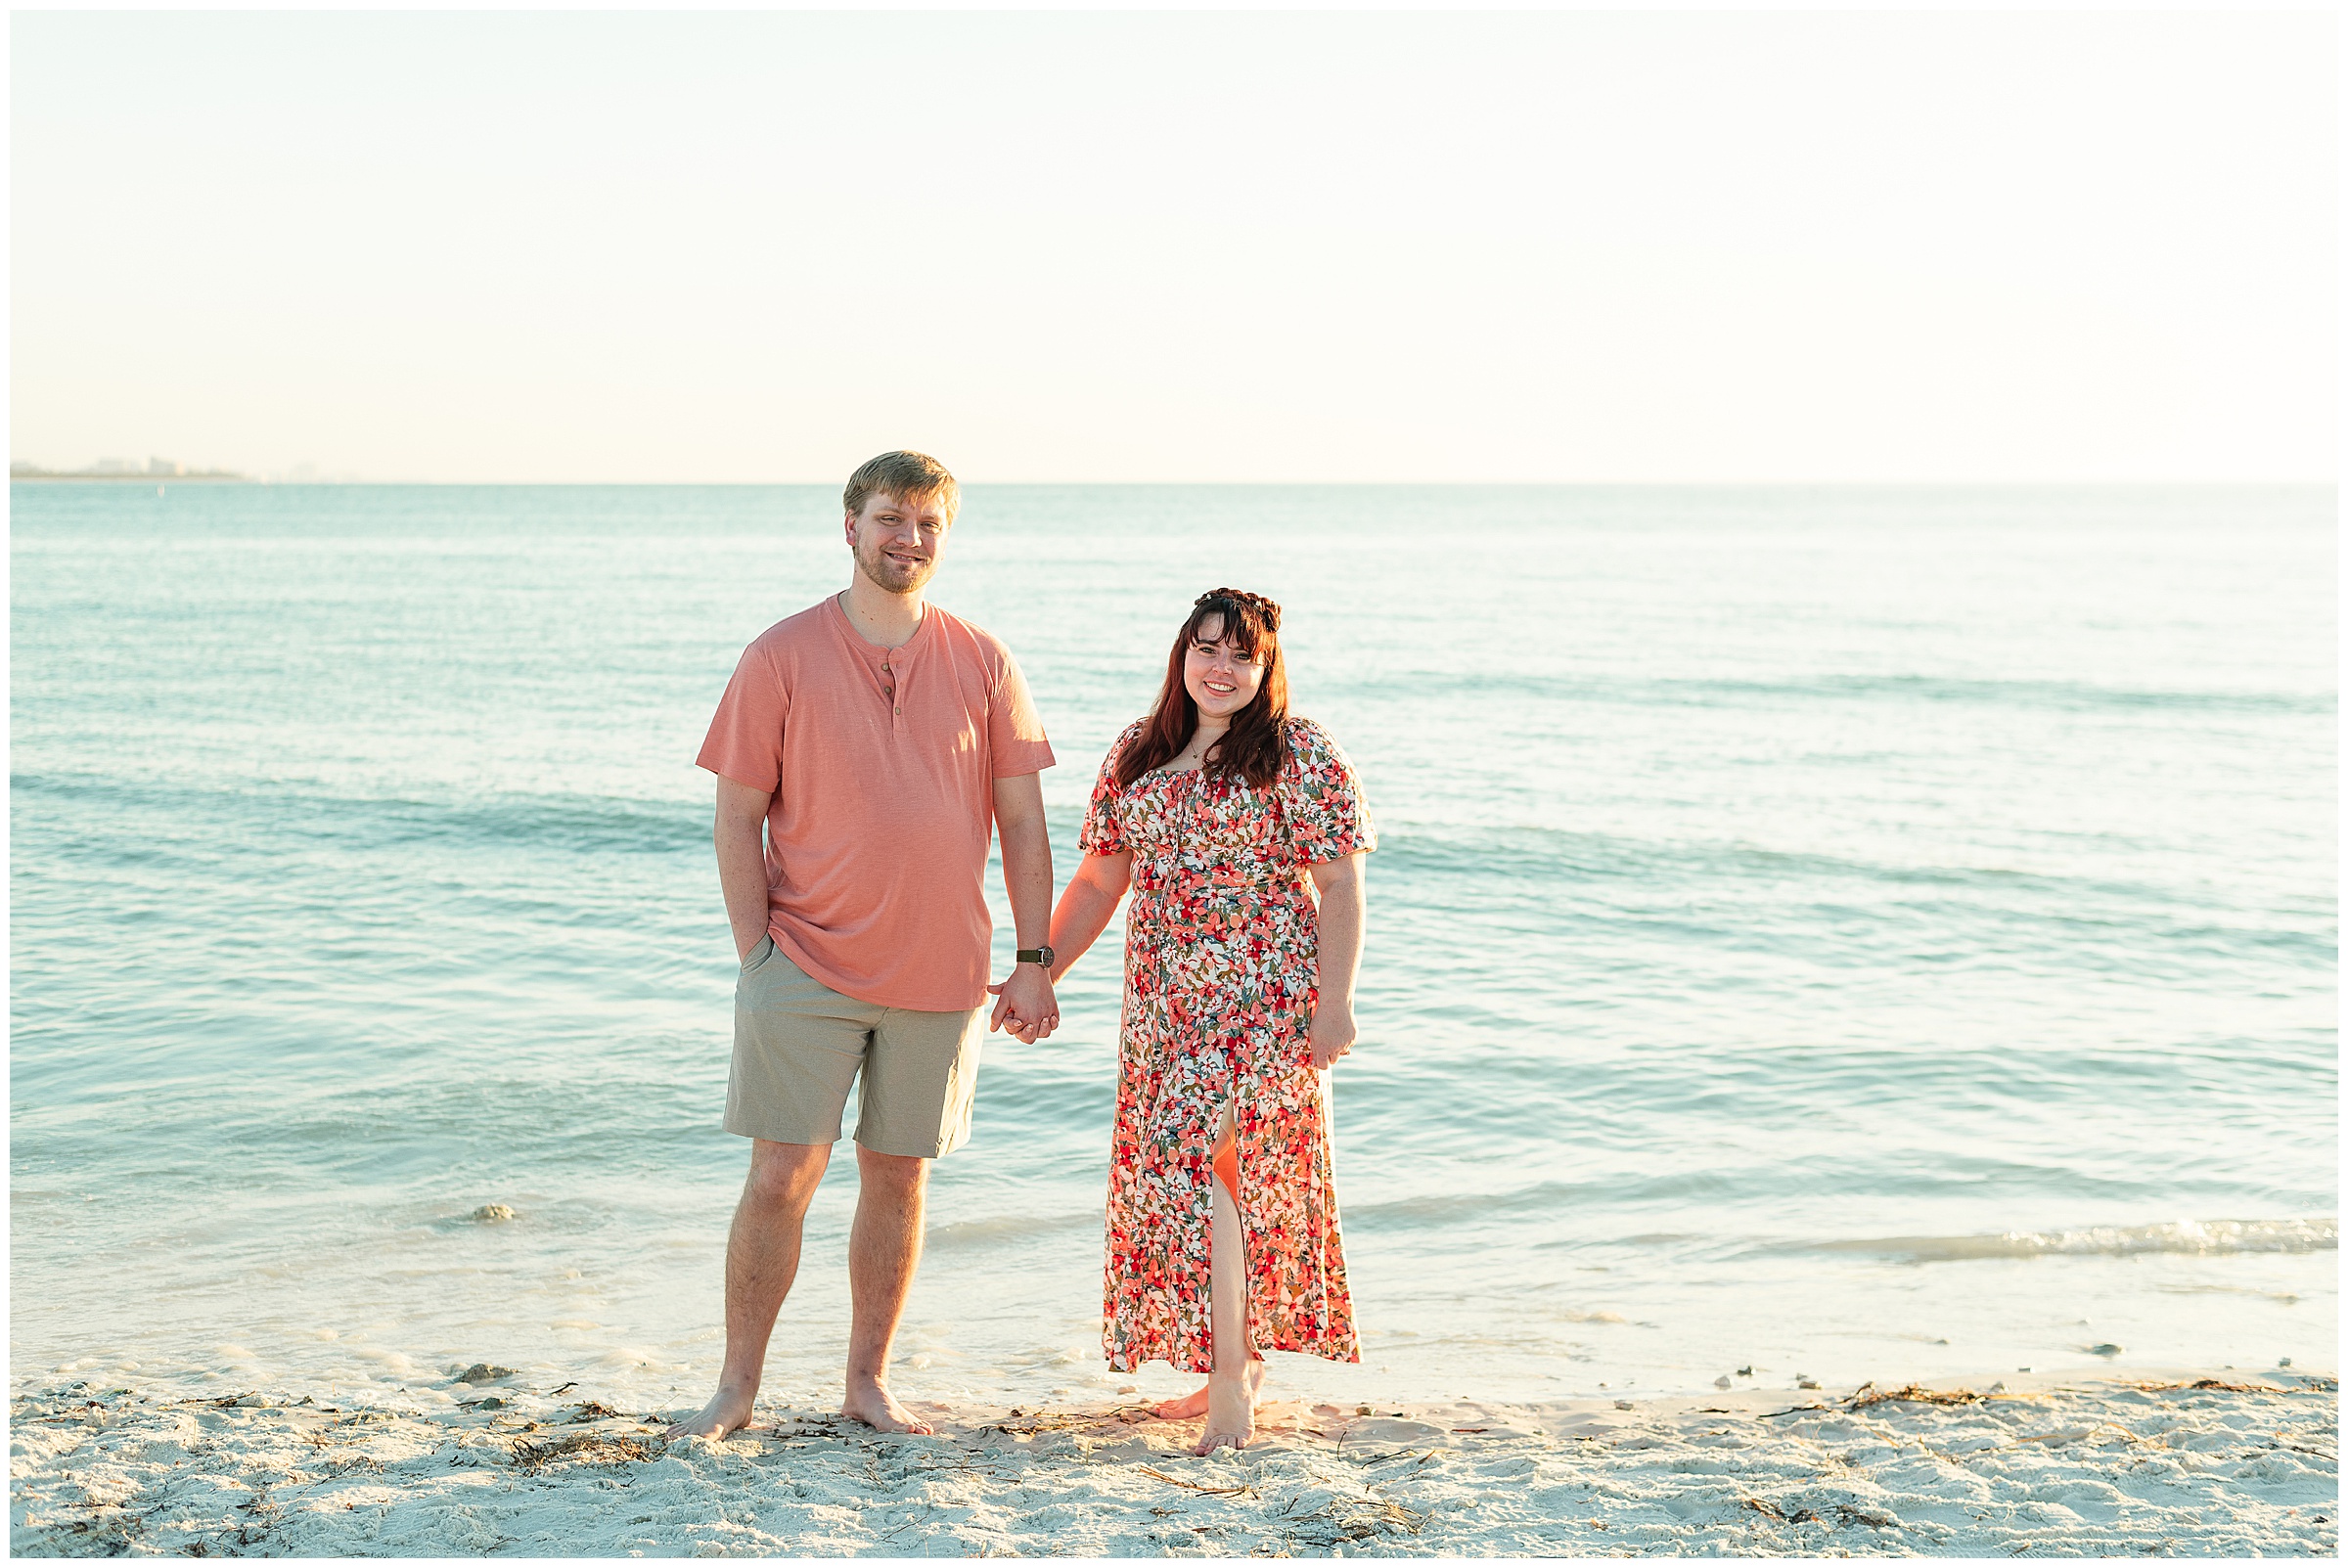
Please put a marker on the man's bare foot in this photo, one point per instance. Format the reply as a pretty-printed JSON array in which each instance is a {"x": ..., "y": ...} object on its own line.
[
  {"x": 1230, "y": 1409},
  {"x": 869, "y": 1401},
  {"x": 728, "y": 1411},
  {"x": 1192, "y": 1405}
]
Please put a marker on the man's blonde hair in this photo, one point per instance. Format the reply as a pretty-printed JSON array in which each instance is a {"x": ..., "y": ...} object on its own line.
[{"x": 909, "y": 478}]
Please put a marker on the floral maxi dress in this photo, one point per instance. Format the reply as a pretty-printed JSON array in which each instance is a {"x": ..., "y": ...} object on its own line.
[{"x": 1221, "y": 960}]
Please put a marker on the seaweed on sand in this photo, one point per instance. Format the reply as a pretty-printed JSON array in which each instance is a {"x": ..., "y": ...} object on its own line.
[
  {"x": 1867, "y": 1394},
  {"x": 1343, "y": 1518},
  {"x": 589, "y": 1410},
  {"x": 1028, "y": 1424},
  {"x": 1197, "y": 1486},
  {"x": 586, "y": 1448}
]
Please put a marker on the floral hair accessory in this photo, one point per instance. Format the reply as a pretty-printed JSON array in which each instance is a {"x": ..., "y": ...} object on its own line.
[{"x": 1240, "y": 595}]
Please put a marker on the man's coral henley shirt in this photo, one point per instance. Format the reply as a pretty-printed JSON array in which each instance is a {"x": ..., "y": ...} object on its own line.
[{"x": 882, "y": 763}]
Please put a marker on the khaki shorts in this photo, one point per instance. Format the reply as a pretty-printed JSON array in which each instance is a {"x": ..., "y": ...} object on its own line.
[{"x": 798, "y": 1045}]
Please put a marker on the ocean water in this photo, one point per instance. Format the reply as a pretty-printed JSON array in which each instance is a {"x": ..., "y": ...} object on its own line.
[{"x": 1863, "y": 933}]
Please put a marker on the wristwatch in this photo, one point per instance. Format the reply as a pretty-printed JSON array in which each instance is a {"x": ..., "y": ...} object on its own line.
[{"x": 1034, "y": 954}]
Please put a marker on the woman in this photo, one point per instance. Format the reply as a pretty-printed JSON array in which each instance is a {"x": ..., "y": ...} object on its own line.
[{"x": 1217, "y": 809}]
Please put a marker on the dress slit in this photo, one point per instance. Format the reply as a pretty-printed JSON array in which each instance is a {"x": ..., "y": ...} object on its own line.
[{"x": 1227, "y": 1169}]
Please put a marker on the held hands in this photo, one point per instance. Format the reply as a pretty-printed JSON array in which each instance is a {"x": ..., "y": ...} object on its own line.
[
  {"x": 1331, "y": 1034},
  {"x": 1025, "y": 1005}
]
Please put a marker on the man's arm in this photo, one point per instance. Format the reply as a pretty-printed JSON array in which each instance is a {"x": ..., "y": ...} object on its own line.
[
  {"x": 1023, "y": 1002},
  {"x": 742, "y": 860}
]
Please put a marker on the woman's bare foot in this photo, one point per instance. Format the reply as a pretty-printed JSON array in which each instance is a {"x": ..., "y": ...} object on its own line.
[
  {"x": 728, "y": 1411},
  {"x": 869, "y": 1401},
  {"x": 1230, "y": 1409},
  {"x": 1192, "y": 1405},
  {"x": 1188, "y": 1407}
]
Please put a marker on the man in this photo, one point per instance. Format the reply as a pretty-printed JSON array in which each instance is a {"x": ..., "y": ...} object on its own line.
[{"x": 877, "y": 740}]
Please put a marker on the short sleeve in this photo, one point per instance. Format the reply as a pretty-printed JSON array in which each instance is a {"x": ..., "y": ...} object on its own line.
[
  {"x": 1014, "y": 731},
  {"x": 1327, "y": 819},
  {"x": 744, "y": 742},
  {"x": 1103, "y": 833}
]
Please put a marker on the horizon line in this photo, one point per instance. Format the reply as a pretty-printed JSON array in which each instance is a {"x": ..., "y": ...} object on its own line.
[{"x": 221, "y": 479}]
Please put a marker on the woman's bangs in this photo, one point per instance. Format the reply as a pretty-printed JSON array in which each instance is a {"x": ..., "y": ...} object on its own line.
[{"x": 1239, "y": 624}]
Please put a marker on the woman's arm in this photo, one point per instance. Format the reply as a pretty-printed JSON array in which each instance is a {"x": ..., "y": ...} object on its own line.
[
  {"x": 1339, "y": 883},
  {"x": 1085, "y": 906}
]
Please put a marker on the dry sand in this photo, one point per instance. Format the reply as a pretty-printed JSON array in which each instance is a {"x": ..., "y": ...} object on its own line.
[{"x": 2245, "y": 1466}]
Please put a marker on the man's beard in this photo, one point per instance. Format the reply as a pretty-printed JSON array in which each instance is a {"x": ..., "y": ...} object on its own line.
[{"x": 890, "y": 577}]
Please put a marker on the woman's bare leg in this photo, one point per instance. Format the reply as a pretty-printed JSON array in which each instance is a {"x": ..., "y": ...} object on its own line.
[
  {"x": 1229, "y": 1286},
  {"x": 1237, "y": 1380},
  {"x": 1228, "y": 1251}
]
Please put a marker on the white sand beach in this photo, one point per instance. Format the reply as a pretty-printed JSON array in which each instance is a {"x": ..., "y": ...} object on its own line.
[{"x": 2224, "y": 1464}]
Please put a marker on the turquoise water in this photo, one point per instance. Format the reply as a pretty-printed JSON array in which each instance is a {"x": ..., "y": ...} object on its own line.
[{"x": 1862, "y": 933}]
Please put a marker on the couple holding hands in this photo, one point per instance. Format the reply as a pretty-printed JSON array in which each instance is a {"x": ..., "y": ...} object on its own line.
[{"x": 866, "y": 750}]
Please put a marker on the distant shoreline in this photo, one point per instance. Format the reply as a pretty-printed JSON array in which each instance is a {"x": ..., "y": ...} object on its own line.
[{"x": 1852, "y": 487}]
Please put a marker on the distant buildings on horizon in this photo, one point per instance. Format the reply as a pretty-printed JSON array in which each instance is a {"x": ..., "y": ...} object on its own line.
[
  {"x": 154, "y": 468},
  {"x": 123, "y": 469}
]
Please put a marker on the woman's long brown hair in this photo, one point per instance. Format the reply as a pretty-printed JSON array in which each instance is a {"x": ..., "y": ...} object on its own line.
[{"x": 1256, "y": 745}]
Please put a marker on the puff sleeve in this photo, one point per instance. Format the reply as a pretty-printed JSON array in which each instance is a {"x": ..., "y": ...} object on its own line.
[
  {"x": 1327, "y": 818},
  {"x": 1104, "y": 831}
]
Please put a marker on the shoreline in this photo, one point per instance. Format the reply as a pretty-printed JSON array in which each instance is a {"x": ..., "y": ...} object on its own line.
[{"x": 2183, "y": 1462}]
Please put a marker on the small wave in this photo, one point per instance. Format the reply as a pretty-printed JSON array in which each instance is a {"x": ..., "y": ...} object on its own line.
[
  {"x": 275, "y": 812},
  {"x": 2070, "y": 696},
  {"x": 2198, "y": 1236},
  {"x": 1914, "y": 689}
]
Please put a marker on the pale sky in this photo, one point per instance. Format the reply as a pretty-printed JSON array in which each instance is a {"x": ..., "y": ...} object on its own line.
[{"x": 1125, "y": 246}]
